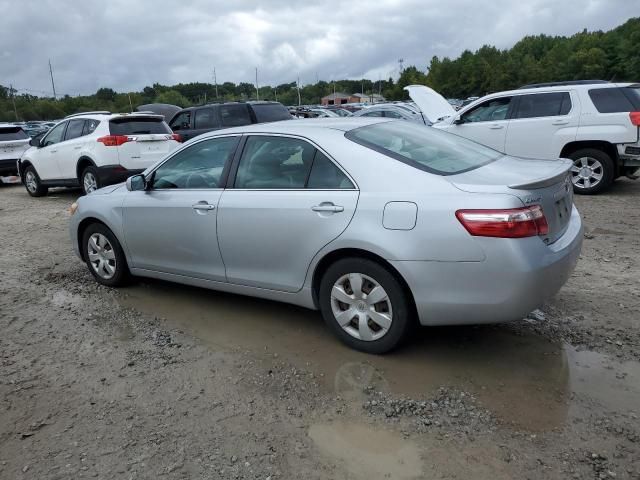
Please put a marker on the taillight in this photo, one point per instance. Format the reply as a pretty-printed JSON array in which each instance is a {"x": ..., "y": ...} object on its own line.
[
  {"x": 113, "y": 140},
  {"x": 635, "y": 118},
  {"x": 509, "y": 223},
  {"x": 176, "y": 136}
]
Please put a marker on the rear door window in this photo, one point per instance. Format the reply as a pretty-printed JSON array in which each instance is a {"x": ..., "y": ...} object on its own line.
[
  {"x": 138, "y": 126},
  {"x": 543, "y": 105},
  {"x": 270, "y": 112},
  {"x": 74, "y": 130},
  {"x": 615, "y": 100},
  {"x": 90, "y": 126},
  {"x": 12, "y": 133},
  {"x": 326, "y": 175},
  {"x": 235, "y": 115},
  {"x": 206, "y": 118}
]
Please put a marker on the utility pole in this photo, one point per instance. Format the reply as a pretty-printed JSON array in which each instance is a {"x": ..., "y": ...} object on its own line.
[
  {"x": 400, "y": 63},
  {"x": 299, "y": 99},
  {"x": 215, "y": 81},
  {"x": 379, "y": 85},
  {"x": 53, "y": 85},
  {"x": 275, "y": 90},
  {"x": 257, "y": 91},
  {"x": 130, "y": 104},
  {"x": 13, "y": 100}
]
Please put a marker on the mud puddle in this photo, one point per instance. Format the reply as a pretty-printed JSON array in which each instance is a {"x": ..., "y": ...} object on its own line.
[{"x": 522, "y": 377}]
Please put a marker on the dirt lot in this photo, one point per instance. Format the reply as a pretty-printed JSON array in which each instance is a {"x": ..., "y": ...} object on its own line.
[{"x": 165, "y": 381}]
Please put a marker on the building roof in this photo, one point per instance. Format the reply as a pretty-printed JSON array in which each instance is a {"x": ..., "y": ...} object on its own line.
[{"x": 333, "y": 96}]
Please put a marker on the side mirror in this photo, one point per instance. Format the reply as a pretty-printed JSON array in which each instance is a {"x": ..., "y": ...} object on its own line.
[
  {"x": 458, "y": 121},
  {"x": 35, "y": 141},
  {"x": 136, "y": 183}
]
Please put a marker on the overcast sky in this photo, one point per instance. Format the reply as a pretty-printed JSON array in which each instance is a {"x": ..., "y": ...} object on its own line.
[{"x": 127, "y": 44}]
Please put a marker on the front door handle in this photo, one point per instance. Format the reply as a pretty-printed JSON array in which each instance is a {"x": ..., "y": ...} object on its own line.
[
  {"x": 77, "y": 148},
  {"x": 327, "y": 207},
  {"x": 53, "y": 151},
  {"x": 496, "y": 126},
  {"x": 203, "y": 206}
]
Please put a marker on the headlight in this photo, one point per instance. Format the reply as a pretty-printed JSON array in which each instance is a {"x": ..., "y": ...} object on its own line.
[{"x": 73, "y": 208}]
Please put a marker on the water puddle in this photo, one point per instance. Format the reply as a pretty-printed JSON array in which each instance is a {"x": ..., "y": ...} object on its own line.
[
  {"x": 366, "y": 452},
  {"x": 524, "y": 378}
]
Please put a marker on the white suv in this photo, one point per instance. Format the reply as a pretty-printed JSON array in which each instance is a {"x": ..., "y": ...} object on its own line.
[
  {"x": 594, "y": 123},
  {"x": 95, "y": 149}
]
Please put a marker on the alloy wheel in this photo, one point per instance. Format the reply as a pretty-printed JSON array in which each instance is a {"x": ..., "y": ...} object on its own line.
[
  {"x": 31, "y": 182},
  {"x": 587, "y": 172},
  {"x": 101, "y": 256},
  {"x": 90, "y": 182},
  {"x": 361, "y": 306}
]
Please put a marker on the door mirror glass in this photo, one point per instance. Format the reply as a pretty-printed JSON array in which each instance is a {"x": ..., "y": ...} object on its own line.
[{"x": 136, "y": 183}]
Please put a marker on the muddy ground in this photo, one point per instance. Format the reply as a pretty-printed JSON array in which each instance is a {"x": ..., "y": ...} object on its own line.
[{"x": 163, "y": 381}]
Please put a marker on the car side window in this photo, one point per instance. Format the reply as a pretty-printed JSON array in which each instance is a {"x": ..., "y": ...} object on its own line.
[
  {"x": 274, "y": 162},
  {"x": 374, "y": 113},
  {"x": 90, "y": 126},
  {"x": 181, "y": 122},
  {"x": 326, "y": 175},
  {"x": 205, "y": 118},
  {"x": 489, "y": 111},
  {"x": 74, "y": 130},
  {"x": 55, "y": 135},
  {"x": 198, "y": 166},
  {"x": 235, "y": 115},
  {"x": 392, "y": 114},
  {"x": 543, "y": 105}
]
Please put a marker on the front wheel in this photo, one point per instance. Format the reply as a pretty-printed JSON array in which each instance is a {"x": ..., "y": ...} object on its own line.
[
  {"x": 104, "y": 256},
  {"x": 365, "y": 305},
  {"x": 33, "y": 184},
  {"x": 592, "y": 171}
]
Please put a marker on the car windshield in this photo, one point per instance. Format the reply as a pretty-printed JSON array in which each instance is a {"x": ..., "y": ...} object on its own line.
[
  {"x": 12, "y": 133},
  {"x": 424, "y": 148}
]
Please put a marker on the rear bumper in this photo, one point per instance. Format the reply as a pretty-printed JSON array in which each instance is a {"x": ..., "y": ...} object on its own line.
[
  {"x": 516, "y": 277},
  {"x": 8, "y": 167},
  {"x": 111, "y": 174}
]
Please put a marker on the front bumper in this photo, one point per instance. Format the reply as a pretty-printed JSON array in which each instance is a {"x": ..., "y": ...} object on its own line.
[
  {"x": 112, "y": 174},
  {"x": 516, "y": 277},
  {"x": 8, "y": 167}
]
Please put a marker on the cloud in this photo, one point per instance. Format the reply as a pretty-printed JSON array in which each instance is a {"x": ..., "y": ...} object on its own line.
[{"x": 127, "y": 45}]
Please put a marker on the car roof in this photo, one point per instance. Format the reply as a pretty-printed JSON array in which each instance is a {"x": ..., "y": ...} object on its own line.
[
  {"x": 558, "y": 88},
  {"x": 301, "y": 126},
  {"x": 111, "y": 116}
]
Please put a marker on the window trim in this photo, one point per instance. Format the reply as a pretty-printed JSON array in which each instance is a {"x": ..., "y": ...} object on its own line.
[
  {"x": 518, "y": 98},
  {"x": 240, "y": 150},
  {"x": 149, "y": 176}
]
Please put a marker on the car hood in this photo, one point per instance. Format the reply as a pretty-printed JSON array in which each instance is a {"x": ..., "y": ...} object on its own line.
[
  {"x": 433, "y": 105},
  {"x": 108, "y": 189}
]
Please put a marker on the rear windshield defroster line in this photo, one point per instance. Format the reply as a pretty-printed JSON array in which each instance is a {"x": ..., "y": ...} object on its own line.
[{"x": 424, "y": 148}]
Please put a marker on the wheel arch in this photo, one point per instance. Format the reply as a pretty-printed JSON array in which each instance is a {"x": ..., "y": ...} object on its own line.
[
  {"x": 606, "y": 147},
  {"x": 82, "y": 227},
  {"x": 83, "y": 162},
  {"x": 23, "y": 166},
  {"x": 333, "y": 256}
]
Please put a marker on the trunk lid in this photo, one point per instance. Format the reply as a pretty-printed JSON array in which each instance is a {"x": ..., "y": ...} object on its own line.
[
  {"x": 433, "y": 105},
  {"x": 535, "y": 182},
  {"x": 150, "y": 139}
]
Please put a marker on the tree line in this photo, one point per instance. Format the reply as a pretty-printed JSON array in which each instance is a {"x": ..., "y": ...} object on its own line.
[{"x": 611, "y": 55}]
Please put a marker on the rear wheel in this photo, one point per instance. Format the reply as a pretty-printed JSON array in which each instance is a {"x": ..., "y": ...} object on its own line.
[
  {"x": 365, "y": 305},
  {"x": 33, "y": 184},
  {"x": 592, "y": 171},
  {"x": 104, "y": 256},
  {"x": 89, "y": 180}
]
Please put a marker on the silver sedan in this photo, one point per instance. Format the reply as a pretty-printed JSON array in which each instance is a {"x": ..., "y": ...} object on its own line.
[{"x": 379, "y": 224}]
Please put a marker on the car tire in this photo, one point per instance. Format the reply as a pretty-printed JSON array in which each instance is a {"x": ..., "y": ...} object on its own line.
[
  {"x": 33, "y": 184},
  {"x": 355, "y": 319},
  {"x": 89, "y": 180},
  {"x": 104, "y": 256},
  {"x": 589, "y": 164}
]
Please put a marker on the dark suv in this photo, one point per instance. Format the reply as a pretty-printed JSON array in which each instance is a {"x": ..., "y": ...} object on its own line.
[{"x": 193, "y": 121}]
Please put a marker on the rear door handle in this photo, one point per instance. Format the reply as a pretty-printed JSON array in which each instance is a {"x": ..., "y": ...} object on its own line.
[
  {"x": 496, "y": 127},
  {"x": 77, "y": 148},
  {"x": 560, "y": 122},
  {"x": 53, "y": 151},
  {"x": 328, "y": 208},
  {"x": 203, "y": 206}
]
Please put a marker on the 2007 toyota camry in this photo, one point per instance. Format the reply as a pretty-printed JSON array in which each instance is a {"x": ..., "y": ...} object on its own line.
[{"x": 379, "y": 224}]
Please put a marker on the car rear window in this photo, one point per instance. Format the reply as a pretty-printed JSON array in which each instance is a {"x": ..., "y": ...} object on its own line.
[
  {"x": 615, "y": 100},
  {"x": 270, "y": 112},
  {"x": 12, "y": 133},
  {"x": 137, "y": 126},
  {"x": 235, "y": 115},
  {"x": 424, "y": 148}
]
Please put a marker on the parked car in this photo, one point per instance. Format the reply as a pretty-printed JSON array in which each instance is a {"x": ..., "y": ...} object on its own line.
[
  {"x": 193, "y": 121},
  {"x": 342, "y": 112},
  {"x": 593, "y": 123},
  {"x": 395, "y": 111},
  {"x": 94, "y": 149},
  {"x": 379, "y": 224},
  {"x": 324, "y": 113},
  {"x": 13, "y": 143}
]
